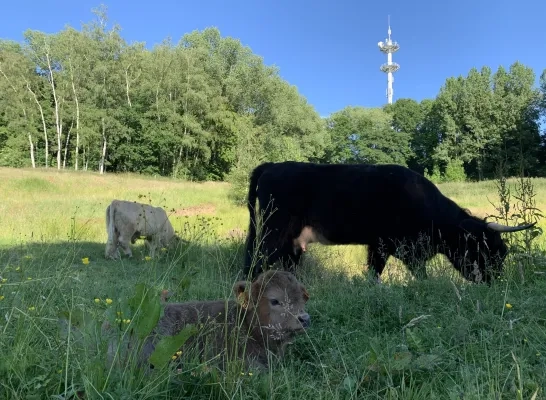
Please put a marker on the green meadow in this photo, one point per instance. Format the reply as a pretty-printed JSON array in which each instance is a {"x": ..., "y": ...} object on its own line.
[{"x": 440, "y": 338}]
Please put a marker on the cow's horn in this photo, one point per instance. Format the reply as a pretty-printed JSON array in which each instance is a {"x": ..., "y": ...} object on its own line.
[{"x": 504, "y": 228}]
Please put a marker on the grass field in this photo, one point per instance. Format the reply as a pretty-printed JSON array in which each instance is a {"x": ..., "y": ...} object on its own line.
[{"x": 441, "y": 338}]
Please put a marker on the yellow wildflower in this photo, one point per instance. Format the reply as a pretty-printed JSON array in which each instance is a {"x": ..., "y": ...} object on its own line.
[
  {"x": 85, "y": 260},
  {"x": 173, "y": 358},
  {"x": 147, "y": 258},
  {"x": 178, "y": 353},
  {"x": 97, "y": 301},
  {"x": 2, "y": 298},
  {"x": 108, "y": 301},
  {"x": 118, "y": 313},
  {"x": 127, "y": 321},
  {"x": 32, "y": 308},
  {"x": 4, "y": 280},
  {"x": 508, "y": 305},
  {"x": 163, "y": 249},
  {"x": 250, "y": 374}
]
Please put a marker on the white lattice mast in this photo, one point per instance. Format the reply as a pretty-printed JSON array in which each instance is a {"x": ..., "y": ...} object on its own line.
[{"x": 390, "y": 67}]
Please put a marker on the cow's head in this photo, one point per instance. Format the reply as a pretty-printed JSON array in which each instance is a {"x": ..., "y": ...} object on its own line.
[
  {"x": 480, "y": 245},
  {"x": 277, "y": 300}
]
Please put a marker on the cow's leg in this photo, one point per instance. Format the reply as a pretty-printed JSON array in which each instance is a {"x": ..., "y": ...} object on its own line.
[
  {"x": 152, "y": 244},
  {"x": 112, "y": 244},
  {"x": 276, "y": 250},
  {"x": 377, "y": 259},
  {"x": 125, "y": 235},
  {"x": 290, "y": 258},
  {"x": 275, "y": 244}
]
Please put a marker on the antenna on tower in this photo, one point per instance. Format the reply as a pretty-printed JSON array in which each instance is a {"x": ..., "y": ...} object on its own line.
[{"x": 390, "y": 67}]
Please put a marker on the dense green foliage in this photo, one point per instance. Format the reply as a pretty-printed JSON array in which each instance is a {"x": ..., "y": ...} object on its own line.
[
  {"x": 207, "y": 108},
  {"x": 88, "y": 99}
]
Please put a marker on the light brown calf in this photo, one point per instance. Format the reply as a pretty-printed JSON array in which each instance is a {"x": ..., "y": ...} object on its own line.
[
  {"x": 265, "y": 317},
  {"x": 126, "y": 221}
]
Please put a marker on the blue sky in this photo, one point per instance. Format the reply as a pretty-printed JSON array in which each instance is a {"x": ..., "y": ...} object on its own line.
[{"x": 328, "y": 49}]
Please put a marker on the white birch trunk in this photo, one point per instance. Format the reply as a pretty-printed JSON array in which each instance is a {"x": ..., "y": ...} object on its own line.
[
  {"x": 103, "y": 155},
  {"x": 31, "y": 151},
  {"x": 43, "y": 124},
  {"x": 57, "y": 122}
]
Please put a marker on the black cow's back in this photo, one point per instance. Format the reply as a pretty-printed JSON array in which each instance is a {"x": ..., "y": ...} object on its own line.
[{"x": 352, "y": 203}]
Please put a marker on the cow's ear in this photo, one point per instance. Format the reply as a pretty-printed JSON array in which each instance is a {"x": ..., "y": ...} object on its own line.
[
  {"x": 240, "y": 294},
  {"x": 305, "y": 293}
]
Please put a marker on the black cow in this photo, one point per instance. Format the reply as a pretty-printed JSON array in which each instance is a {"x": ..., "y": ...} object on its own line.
[{"x": 382, "y": 206}]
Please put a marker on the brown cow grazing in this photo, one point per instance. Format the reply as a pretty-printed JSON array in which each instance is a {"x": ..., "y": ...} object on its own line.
[
  {"x": 126, "y": 221},
  {"x": 265, "y": 317}
]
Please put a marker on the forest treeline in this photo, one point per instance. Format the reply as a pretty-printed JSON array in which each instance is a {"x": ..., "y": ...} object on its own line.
[{"x": 207, "y": 108}]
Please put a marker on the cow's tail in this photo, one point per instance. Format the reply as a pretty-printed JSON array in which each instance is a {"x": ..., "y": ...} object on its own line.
[
  {"x": 251, "y": 204},
  {"x": 110, "y": 210}
]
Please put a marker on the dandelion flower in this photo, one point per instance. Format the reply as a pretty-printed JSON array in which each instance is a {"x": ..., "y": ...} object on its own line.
[
  {"x": 147, "y": 258},
  {"x": 250, "y": 374},
  {"x": 508, "y": 305},
  {"x": 108, "y": 301},
  {"x": 85, "y": 260},
  {"x": 173, "y": 358},
  {"x": 178, "y": 353},
  {"x": 97, "y": 301}
]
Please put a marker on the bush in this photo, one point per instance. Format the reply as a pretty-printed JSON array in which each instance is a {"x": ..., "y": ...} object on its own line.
[{"x": 454, "y": 171}]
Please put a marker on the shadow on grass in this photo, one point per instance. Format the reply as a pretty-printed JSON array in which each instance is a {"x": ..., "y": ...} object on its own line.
[
  {"x": 404, "y": 339},
  {"x": 190, "y": 271}
]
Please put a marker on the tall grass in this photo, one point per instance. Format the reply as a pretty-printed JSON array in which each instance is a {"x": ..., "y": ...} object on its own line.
[{"x": 441, "y": 338}]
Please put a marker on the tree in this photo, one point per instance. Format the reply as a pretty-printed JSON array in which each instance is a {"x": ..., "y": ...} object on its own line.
[{"x": 364, "y": 135}]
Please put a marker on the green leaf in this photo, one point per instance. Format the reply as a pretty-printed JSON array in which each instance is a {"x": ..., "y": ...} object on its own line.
[
  {"x": 168, "y": 345},
  {"x": 402, "y": 360},
  {"x": 146, "y": 310},
  {"x": 349, "y": 383},
  {"x": 427, "y": 361}
]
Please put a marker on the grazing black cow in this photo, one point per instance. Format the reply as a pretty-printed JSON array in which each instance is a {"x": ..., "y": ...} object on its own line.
[{"x": 382, "y": 206}]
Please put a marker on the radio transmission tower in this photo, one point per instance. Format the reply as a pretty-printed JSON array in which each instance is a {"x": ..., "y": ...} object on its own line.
[{"x": 390, "y": 67}]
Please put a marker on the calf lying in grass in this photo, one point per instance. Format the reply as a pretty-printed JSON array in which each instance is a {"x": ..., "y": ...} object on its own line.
[{"x": 265, "y": 317}]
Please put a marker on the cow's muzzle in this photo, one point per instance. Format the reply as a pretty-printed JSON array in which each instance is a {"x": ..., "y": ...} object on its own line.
[{"x": 305, "y": 320}]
